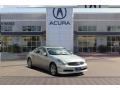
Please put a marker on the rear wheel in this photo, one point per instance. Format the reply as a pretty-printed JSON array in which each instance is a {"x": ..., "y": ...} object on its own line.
[
  {"x": 29, "y": 63},
  {"x": 53, "y": 69}
]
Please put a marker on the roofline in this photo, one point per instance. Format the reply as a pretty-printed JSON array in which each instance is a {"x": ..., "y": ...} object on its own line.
[
  {"x": 48, "y": 6},
  {"x": 39, "y": 6}
]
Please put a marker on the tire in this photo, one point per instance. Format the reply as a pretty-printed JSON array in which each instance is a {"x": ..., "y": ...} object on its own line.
[
  {"x": 53, "y": 69},
  {"x": 29, "y": 63},
  {"x": 81, "y": 73}
]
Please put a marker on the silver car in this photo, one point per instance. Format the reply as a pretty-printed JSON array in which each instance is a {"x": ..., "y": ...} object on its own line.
[{"x": 57, "y": 60}]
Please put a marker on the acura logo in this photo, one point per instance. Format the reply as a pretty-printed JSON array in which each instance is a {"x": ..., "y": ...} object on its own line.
[{"x": 59, "y": 13}]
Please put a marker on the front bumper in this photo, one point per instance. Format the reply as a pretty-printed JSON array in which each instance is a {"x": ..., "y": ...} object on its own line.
[{"x": 66, "y": 69}]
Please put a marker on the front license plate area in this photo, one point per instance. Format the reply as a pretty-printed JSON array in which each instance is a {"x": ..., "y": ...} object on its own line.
[{"x": 78, "y": 68}]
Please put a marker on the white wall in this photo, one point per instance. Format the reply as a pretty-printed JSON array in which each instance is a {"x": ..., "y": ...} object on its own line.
[
  {"x": 59, "y": 35},
  {"x": 101, "y": 25},
  {"x": 35, "y": 19},
  {"x": 99, "y": 20}
]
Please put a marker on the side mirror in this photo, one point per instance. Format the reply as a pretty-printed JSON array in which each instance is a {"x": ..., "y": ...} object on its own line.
[
  {"x": 38, "y": 52},
  {"x": 70, "y": 52},
  {"x": 44, "y": 54}
]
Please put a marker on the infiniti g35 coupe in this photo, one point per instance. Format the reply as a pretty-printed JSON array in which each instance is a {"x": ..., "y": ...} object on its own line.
[{"x": 57, "y": 60}]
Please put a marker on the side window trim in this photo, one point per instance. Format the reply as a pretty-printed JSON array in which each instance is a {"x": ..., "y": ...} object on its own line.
[{"x": 43, "y": 50}]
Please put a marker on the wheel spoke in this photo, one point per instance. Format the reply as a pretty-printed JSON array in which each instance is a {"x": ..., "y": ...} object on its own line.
[{"x": 53, "y": 69}]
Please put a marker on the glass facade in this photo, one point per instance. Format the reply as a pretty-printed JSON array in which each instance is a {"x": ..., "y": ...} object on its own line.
[
  {"x": 86, "y": 43},
  {"x": 90, "y": 44},
  {"x": 87, "y": 28},
  {"x": 83, "y": 43},
  {"x": 113, "y": 43},
  {"x": 6, "y": 28},
  {"x": 20, "y": 43},
  {"x": 113, "y": 28},
  {"x": 31, "y": 28}
]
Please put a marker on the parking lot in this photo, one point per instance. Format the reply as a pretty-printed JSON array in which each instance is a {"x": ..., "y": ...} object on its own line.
[{"x": 101, "y": 70}]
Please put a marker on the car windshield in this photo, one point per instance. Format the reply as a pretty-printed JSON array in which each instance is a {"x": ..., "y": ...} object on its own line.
[{"x": 57, "y": 51}]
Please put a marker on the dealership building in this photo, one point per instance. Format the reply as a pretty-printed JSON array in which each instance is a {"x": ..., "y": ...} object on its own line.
[{"x": 78, "y": 29}]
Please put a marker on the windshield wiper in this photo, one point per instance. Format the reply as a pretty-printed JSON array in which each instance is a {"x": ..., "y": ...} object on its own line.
[{"x": 64, "y": 54}]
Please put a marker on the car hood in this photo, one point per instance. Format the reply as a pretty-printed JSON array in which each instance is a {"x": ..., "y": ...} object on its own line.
[{"x": 68, "y": 58}]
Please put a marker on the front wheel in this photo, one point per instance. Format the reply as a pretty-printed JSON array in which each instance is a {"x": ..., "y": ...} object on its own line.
[
  {"x": 81, "y": 73},
  {"x": 53, "y": 69}
]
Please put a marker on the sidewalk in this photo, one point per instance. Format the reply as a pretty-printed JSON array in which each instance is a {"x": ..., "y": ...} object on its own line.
[
  {"x": 60, "y": 81},
  {"x": 97, "y": 66},
  {"x": 13, "y": 63},
  {"x": 99, "y": 54},
  {"x": 101, "y": 71},
  {"x": 12, "y": 56}
]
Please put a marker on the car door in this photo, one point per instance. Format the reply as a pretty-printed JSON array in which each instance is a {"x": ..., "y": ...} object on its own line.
[
  {"x": 45, "y": 60},
  {"x": 36, "y": 57}
]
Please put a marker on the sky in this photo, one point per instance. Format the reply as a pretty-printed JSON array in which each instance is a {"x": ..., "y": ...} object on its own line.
[{"x": 43, "y": 10}]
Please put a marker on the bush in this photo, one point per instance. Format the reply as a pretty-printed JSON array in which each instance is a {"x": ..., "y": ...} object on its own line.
[
  {"x": 25, "y": 49},
  {"x": 16, "y": 48},
  {"x": 9, "y": 48},
  {"x": 102, "y": 49}
]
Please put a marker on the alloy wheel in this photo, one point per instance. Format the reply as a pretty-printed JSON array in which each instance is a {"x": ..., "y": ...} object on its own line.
[{"x": 53, "y": 69}]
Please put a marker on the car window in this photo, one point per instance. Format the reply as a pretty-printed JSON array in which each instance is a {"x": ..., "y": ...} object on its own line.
[
  {"x": 57, "y": 51},
  {"x": 37, "y": 51},
  {"x": 43, "y": 51}
]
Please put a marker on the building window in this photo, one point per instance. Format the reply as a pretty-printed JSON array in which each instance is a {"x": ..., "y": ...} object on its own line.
[
  {"x": 113, "y": 28},
  {"x": 24, "y": 44},
  {"x": 86, "y": 43},
  {"x": 87, "y": 28},
  {"x": 109, "y": 28},
  {"x": 31, "y": 28},
  {"x": 6, "y": 28},
  {"x": 113, "y": 43}
]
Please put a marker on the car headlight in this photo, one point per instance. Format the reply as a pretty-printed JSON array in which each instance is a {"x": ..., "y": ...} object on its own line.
[
  {"x": 60, "y": 62},
  {"x": 83, "y": 59}
]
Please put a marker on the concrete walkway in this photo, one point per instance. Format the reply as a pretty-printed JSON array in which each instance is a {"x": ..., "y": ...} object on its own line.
[
  {"x": 12, "y": 56},
  {"x": 97, "y": 66},
  {"x": 101, "y": 71},
  {"x": 99, "y": 54}
]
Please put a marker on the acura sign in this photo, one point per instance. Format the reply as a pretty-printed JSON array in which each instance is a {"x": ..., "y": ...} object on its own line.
[
  {"x": 59, "y": 14},
  {"x": 59, "y": 23}
]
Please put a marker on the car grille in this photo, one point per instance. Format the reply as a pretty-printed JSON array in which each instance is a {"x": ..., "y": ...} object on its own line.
[
  {"x": 68, "y": 70},
  {"x": 75, "y": 63}
]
